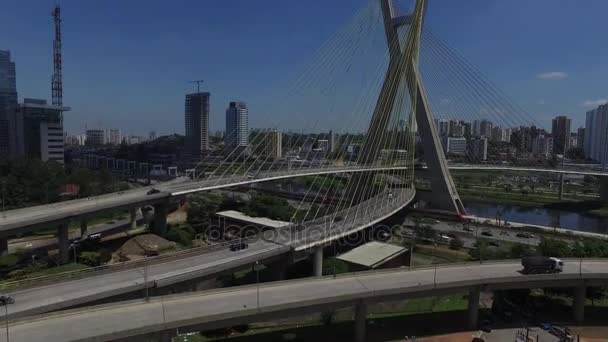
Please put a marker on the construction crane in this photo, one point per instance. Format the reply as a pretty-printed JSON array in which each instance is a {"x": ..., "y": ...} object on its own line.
[
  {"x": 57, "y": 83},
  {"x": 198, "y": 85}
]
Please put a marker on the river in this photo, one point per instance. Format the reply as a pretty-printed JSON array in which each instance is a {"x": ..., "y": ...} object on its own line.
[{"x": 538, "y": 215}]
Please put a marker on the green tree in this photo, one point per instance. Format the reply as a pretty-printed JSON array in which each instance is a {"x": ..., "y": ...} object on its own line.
[
  {"x": 456, "y": 243},
  {"x": 554, "y": 248},
  {"x": 201, "y": 210}
]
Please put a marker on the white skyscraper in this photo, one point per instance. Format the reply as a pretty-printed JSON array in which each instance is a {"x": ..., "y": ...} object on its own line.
[
  {"x": 237, "y": 125},
  {"x": 596, "y": 134}
]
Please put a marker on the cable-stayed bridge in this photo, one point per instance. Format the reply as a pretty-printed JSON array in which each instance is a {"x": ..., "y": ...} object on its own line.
[{"x": 420, "y": 102}]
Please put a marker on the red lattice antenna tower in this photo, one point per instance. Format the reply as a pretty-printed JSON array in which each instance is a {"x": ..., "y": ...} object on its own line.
[{"x": 57, "y": 82}]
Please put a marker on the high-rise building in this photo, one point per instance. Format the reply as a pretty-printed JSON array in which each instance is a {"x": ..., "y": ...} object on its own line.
[
  {"x": 580, "y": 137},
  {"x": 237, "y": 125},
  {"x": 273, "y": 144},
  {"x": 443, "y": 127},
  {"x": 197, "y": 123},
  {"x": 112, "y": 136},
  {"x": 152, "y": 135},
  {"x": 560, "y": 130},
  {"x": 485, "y": 128},
  {"x": 455, "y": 145},
  {"x": 37, "y": 131},
  {"x": 333, "y": 141},
  {"x": 95, "y": 137},
  {"x": 467, "y": 129},
  {"x": 8, "y": 100},
  {"x": 542, "y": 144},
  {"x": 478, "y": 149},
  {"x": 499, "y": 134},
  {"x": 596, "y": 134},
  {"x": 476, "y": 128}
]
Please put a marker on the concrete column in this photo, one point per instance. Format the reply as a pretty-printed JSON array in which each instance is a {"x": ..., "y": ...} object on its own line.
[
  {"x": 360, "y": 321},
  {"x": 83, "y": 228},
  {"x": 133, "y": 214},
  {"x": 561, "y": 186},
  {"x": 159, "y": 223},
  {"x": 3, "y": 246},
  {"x": 318, "y": 261},
  {"x": 473, "y": 308},
  {"x": 578, "y": 303},
  {"x": 604, "y": 189},
  {"x": 63, "y": 243}
]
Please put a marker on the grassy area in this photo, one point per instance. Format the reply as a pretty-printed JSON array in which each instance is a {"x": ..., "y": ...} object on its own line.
[
  {"x": 507, "y": 197},
  {"x": 38, "y": 271},
  {"x": 59, "y": 269},
  {"x": 442, "y": 252},
  {"x": 603, "y": 212}
]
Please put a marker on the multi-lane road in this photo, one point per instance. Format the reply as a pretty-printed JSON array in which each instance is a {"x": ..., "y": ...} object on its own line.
[
  {"x": 231, "y": 306},
  {"x": 108, "y": 283},
  {"x": 112, "y": 282}
]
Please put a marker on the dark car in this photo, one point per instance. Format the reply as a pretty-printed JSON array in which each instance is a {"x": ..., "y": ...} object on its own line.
[
  {"x": 152, "y": 191},
  {"x": 524, "y": 235},
  {"x": 486, "y": 233},
  {"x": 238, "y": 246}
]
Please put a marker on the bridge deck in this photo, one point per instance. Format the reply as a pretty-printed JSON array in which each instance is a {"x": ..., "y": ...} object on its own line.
[{"x": 212, "y": 309}]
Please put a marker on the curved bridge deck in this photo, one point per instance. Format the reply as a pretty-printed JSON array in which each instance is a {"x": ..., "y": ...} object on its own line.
[{"x": 213, "y": 309}]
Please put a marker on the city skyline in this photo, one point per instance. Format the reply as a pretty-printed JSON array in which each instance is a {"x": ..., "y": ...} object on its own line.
[{"x": 136, "y": 76}]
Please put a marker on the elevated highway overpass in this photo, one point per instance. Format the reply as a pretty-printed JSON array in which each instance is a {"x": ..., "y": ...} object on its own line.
[
  {"x": 22, "y": 220},
  {"x": 19, "y": 221},
  {"x": 55, "y": 293},
  {"x": 59, "y": 214},
  {"x": 158, "y": 318}
]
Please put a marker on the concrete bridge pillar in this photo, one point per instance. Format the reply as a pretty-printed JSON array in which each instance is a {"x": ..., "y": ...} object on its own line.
[
  {"x": 561, "y": 186},
  {"x": 83, "y": 228},
  {"x": 473, "y": 308},
  {"x": 159, "y": 222},
  {"x": 3, "y": 246},
  {"x": 133, "y": 217},
  {"x": 578, "y": 303},
  {"x": 604, "y": 189},
  {"x": 360, "y": 321},
  {"x": 318, "y": 261},
  {"x": 63, "y": 242}
]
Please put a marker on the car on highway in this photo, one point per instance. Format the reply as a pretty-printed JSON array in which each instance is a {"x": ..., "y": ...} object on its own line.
[
  {"x": 486, "y": 233},
  {"x": 444, "y": 238},
  {"x": 152, "y": 191},
  {"x": 468, "y": 229},
  {"x": 238, "y": 246},
  {"x": 94, "y": 236},
  {"x": 524, "y": 235}
]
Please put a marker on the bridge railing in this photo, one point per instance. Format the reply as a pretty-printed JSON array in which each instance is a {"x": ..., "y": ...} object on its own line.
[{"x": 100, "y": 270}]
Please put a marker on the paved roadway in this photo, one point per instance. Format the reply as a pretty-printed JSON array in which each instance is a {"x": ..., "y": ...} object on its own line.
[
  {"x": 14, "y": 220},
  {"x": 49, "y": 242},
  {"x": 69, "y": 293},
  {"x": 357, "y": 217},
  {"x": 579, "y": 170},
  {"x": 224, "y": 307},
  {"x": 469, "y": 238},
  {"x": 105, "y": 283}
]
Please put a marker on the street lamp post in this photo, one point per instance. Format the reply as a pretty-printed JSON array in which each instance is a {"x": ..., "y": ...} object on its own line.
[
  {"x": 5, "y": 301},
  {"x": 257, "y": 267}
]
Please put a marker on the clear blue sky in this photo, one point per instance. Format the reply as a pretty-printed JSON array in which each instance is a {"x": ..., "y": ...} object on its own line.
[{"x": 127, "y": 63}]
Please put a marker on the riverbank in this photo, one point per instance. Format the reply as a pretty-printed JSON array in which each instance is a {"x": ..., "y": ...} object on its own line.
[{"x": 531, "y": 200}]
